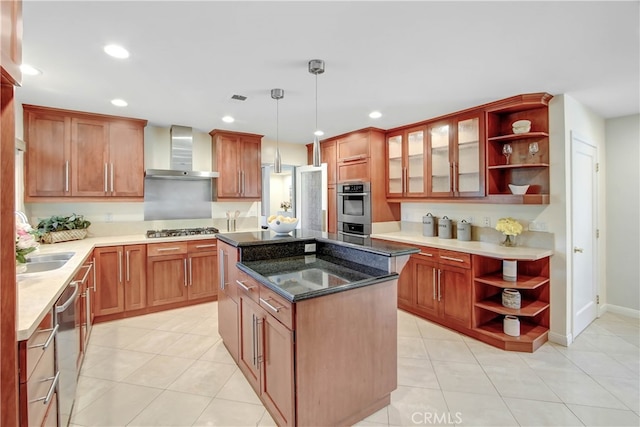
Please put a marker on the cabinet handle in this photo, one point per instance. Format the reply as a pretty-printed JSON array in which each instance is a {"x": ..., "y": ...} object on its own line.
[
  {"x": 66, "y": 176},
  {"x": 253, "y": 338},
  {"x": 120, "y": 266},
  {"x": 439, "y": 281},
  {"x": 213, "y": 245},
  {"x": 239, "y": 182},
  {"x": 128, "y": 265},
  {"x": 259, "y": 356},
  {"x": 424, "y": 254},
  {"x": 112, "y": 190},
  {"x": 578, "y": 250},
  {"x": 455, "y": 177},
  {"x": 168, "y": 249},
  {"x": 243, "y": 187},
  {"x": 353, "y": 158},
  {"x": 452, "y": 259},
  {"x": 52, "y": 388},
  {"x": 106, "y": 179},
  {"x": 269, "y": 306},
  {"x": 221, "y": 268},
  {"x": 47, "y": 343},
  {"x": 185, "y": 272},
  {"x": 405, "y": 180},
  {"x": 433, "y": 273},
  {"x": 243, "y": 286},
  {"x": 190, "y": 271},
  {"x": 93, "y": 262}
]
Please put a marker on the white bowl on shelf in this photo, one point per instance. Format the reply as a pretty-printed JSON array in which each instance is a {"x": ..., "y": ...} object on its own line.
[
  {"x": 518, "y": 190},
  {"x": 283, "y": 225},
  {"x": 521, "y": 126}
]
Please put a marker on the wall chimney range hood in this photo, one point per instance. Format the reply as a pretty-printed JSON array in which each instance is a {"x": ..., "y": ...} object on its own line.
[{"x": 181, "y": 158}]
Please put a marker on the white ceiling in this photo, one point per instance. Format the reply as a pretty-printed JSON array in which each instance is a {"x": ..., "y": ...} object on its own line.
[{"x": 409, "y": 60}]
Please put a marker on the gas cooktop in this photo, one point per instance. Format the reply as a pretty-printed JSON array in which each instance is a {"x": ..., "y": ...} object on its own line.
[{"x": 181, "y": 232}]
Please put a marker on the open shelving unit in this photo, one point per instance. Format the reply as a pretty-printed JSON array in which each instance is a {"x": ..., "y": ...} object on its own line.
[{"x": 488, "y": 312}]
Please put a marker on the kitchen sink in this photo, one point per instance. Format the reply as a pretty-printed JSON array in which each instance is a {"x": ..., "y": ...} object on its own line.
[
  {"x": 40, "y": 266},
  {"x": 60, "y": 256}
]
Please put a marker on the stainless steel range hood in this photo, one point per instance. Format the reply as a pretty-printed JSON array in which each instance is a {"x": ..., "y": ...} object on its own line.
[{"x": 181, "y": 158}]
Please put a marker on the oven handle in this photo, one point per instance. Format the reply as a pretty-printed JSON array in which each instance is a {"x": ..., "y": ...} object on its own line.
[
  {"x": 352, "y": 194},
  {"x": 364, "y": 236}
]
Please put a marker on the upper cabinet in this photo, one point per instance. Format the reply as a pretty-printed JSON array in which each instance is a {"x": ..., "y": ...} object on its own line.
[
  {"x": 520, "y": 158},
  {"x": 11, "y": 41},
  {"x": 238, "y": 161},
  {"x": 406, "y": 163},
  {"x": 456, "y": 156},
  {"x": 84, "y": 155}
]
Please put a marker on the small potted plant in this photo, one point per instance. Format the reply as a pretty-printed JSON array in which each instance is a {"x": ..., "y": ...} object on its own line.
[{"x": 63, "y": 228}]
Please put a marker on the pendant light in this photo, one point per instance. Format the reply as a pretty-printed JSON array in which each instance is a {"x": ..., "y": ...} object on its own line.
[
  {"x": 316, "y": 66},
  {"x": 277, "y": 94}
]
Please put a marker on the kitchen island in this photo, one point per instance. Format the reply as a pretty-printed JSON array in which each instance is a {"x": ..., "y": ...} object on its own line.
[{"x": 312, "y": 322}]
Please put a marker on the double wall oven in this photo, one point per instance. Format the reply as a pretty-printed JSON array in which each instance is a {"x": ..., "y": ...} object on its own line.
[{"x": 354, "y": 212}]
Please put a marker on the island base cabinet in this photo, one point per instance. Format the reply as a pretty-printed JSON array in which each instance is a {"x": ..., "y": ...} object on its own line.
[{"x": 228, "y": 310}]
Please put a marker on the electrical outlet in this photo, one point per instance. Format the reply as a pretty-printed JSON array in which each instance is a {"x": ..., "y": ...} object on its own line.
[
  {"x": 108, "y": 217},
  {"x": 486, "y": 222},
  {"x": 537, "y": 226}
]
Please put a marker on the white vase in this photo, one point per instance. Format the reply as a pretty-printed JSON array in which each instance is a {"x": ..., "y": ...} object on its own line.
[
  {"x": 509, "y": 270},
  {"x": 20, "y": 267},
  {"x": 511, "y": 326}
]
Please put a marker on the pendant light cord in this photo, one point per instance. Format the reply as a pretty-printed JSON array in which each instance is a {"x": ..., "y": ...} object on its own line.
[{"x": 316, "y": 104}]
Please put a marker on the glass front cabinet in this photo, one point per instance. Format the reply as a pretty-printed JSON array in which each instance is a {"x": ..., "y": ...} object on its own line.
[{"x": 406, "y": 163}]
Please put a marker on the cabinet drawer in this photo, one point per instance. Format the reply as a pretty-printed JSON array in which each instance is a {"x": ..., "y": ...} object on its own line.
[
  {"x": 202, "y": 246},
  {"x": 38, "y": 387},
  {"x": 354, "y": 171},
  {"x": 427, "y": 253},
  {"x": 277, "y": 306},
  {"x": 458, "y": 259},
  {"x": 247, "y": 286},
  {"x": 32, "y": 350},
  {"x": 169, "y": 248}
]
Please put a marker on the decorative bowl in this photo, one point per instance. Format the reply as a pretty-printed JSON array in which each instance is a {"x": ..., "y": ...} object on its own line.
[
  {"x": 518, "y": 189},
  {"x": 521, "y": 126},
  {"x": 282, "y": 225}
]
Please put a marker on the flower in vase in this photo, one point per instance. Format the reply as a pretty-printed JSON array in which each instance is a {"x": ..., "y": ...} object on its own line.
[
  {"x": 26, "y": 241},
  {"x": 510, "y": 228},
  {"x": 286, "y": 205}
]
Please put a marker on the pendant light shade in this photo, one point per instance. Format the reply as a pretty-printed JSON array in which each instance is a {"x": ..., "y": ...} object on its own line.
[
  {"x": 277, "y": 94},
  {"x": 316, "y": 66}
]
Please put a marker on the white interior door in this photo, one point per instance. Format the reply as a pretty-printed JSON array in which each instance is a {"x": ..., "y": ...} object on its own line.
[
  {"x": 584, "y": 227},
  {"x": 311, "y": 197}
]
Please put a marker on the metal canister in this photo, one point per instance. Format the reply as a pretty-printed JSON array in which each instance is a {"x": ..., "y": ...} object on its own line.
[
  {"x": 429, "y": 225},
  {"x": 464, "y": 231},
  {"x": 444, "y": 228}
]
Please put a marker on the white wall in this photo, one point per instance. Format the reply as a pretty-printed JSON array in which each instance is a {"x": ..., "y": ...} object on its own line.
[{"x": 622, "y": 227}]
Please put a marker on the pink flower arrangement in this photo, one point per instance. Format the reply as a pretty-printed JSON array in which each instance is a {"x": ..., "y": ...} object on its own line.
[{"x": 26, "y": 241}]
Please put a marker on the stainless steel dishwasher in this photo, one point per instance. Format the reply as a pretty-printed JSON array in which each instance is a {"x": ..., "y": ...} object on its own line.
[{"x": 67, "y": 350}]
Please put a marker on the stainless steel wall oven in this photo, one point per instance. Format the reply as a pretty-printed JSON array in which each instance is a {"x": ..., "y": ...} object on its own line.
[{"x": 354, "y": 212}]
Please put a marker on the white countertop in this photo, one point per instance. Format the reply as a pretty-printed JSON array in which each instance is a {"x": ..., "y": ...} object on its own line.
[{"x": 491, "y": 250}]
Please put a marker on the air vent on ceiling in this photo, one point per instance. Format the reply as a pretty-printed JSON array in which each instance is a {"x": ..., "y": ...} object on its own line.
[{"x": 239, "y": 97}]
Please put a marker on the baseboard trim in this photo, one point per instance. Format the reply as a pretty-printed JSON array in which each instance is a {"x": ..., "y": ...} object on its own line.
[
  {"x": 564, "y": 340},
  {"x": 621, "y": 310}
]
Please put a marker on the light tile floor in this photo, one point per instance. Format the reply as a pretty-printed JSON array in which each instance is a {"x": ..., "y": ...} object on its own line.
[{"x": 171, "y": 369}]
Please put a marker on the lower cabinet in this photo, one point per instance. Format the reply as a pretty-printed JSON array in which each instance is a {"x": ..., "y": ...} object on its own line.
[
  {"x": 37, "y": 376},
  {"x": 120, "y": 279},
  {"x": 228, "y": 310},
  {"x": 266, "y": 355},
  {"x": 436, "y": 284}
]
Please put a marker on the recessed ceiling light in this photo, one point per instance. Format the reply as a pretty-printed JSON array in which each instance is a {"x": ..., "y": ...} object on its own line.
[
  {"x": 116, "y": 51},
  {"x": 119, "y": 102},
  {"x": 228, "y": 119},
  {"x": 318, "y": 133},
  {"x": 29, "y": 70},
  {"x": 375, "y": 114}
]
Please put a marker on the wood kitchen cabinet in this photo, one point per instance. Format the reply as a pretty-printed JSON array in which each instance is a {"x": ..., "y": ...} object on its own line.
[
  {"x": 120, "y": 279},
  {"x": 83, "y": 155},
  {"x": 228, "y": 310},
  {"x": 406, "y": 163},
  {"x": 11, "y": 41},
  {"x": 238, "y": 160}
]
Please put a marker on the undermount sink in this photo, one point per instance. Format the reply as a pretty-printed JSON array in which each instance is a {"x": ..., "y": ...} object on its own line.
[
  {"x": 60, "y": 256},
  {"x": 39, "y": 267}
]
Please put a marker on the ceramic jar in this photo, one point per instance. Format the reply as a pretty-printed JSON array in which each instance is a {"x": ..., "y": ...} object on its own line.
[
  {"x": 511, "y": 325},
  {"x": 511, "y": 299},
  {"x": 429, "y": 225}
]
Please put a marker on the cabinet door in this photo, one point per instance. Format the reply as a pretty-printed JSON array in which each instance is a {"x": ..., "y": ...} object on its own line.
[
  {"x": 468, "y": 166},
  {"x": 395, "y": 165},
  {"x": 406, "y": 286},
  {"x": 332, "y": 206},
  {"x": 251, "y": 168},
  {"x": 455, "y": 286},
  {"x": 203, "y": 272},
  {"x": 415, "y": 162},
  {"x": 248, "y": 358},
  {"x": 126, "y": 160},
  {"x": 228, "y": 184},
  {"x": 328, "y": 156},
  {"x": 439, "y": 142},
  {"x": 89, "y": 157},
  {"x": 135, "y": 284},
  {"x": 276, "y": 365},
  {"x": 48, "y": 168},
  {"x": 109, "y": 295},
  {"x": 167, "y": 277},
  {"x": 11, "y": 41},
  {"x": 353, "y": 147},
  {"x": 355, "y": 170},
  {"x": 427, "y": 291}
]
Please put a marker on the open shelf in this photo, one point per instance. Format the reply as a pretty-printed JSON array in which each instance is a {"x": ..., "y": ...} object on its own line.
[
  {"x": 520, "y": 165},
  {"x": 514, "y": 136},
  {"x": 523, "y": 282},
  {"x": 526, "y": 199},
  {"x": 531, "y": 336},
  {"x": 528, "y": 307}
]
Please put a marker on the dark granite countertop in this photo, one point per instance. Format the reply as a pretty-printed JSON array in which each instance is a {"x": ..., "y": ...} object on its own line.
[
  {"x": 309, "y": 276},
  {"x": 378, "y": 247}
]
